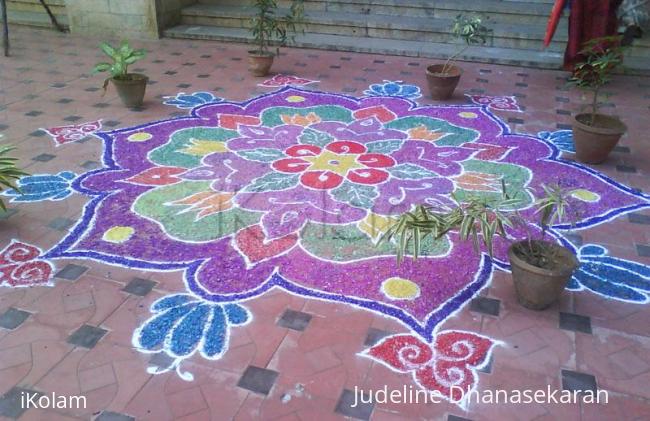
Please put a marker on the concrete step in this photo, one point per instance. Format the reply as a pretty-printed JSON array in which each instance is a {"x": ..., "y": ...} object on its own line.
[
  {"x": 36, "y": 19},
  {"x": 504, "y": 35},
  {"x": 506, "y": 11},
  {"x": 509, "y": 56}
]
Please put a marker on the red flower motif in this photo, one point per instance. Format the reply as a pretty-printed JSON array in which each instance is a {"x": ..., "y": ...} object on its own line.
[
  {"x": 19, "y": 266},
  {"x": 448, "y": 366},
  {"x": 326, "y": 168},
  {"x": 73, "y": 132}
]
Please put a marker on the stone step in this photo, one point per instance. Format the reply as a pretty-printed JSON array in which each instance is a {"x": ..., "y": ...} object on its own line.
[
  {"x": 506, "y": 11},
  {"x": 504, "y": 35},
  {"x": 36, "y": 19},
  {"x": 509, "y": 56}
]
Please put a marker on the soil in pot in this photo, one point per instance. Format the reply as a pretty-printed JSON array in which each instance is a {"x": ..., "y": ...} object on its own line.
[
  {"x": 131, "y": 89},
  {"x": 595, "y": 136},
  {"x": 442, "y": 84},
  {"x": 540, "y": 272},
  {"x": 260, "y": 62}
]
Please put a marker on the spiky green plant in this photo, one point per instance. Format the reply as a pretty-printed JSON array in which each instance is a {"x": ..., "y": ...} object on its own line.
[
  {"x": 9, "y": 172},
  {"x": 478, "y": 219}
]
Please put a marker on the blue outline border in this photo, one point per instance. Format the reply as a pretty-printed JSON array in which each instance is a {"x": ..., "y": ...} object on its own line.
[{"x": 433, "y": 320}]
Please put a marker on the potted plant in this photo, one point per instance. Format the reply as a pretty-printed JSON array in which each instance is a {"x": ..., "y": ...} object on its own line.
[
  {"x": 130, "y": 86},
  {"x": 9, "y": 172},
  {"x": 596, "y": 134},
  {"x": 541, "y": 269},
  {"x": 267, "y": 27},
  {"x": 443, "y": 78}
]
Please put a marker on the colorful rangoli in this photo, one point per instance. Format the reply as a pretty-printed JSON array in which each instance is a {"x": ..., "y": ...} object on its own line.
[{"x": 293, "y": 189}]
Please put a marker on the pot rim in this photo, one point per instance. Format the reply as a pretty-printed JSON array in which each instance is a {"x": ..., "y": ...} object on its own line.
[
  {"x": 540, "y": 271},
  {"x": 258, "y": 53},
  {"x": 141, "y": 78},
  {"x": 458, "y": 69},
  {"x": 600, "y": 130}
]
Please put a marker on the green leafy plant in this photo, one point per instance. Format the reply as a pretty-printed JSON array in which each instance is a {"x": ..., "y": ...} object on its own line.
[
  {"x": 9, "y": 172},
  {"x": 601, "y": 57},
  {"x": 480, "y": 220},
  {"x": 122, "y": 57},
  {"x": 471, "y": 31},
  {"x": 268, "y": 27}
]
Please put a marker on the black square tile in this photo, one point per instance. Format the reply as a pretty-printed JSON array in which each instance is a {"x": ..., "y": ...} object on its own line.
[
  {"x": 113, "y": 416},
  {"x": 477, "y": 91},
  {"x": 11, "y": 402},
  {"x": 405, "y": 73},
  {"x": 362, "y": 411},
  {"x": 484, "y": 71},
  {"x": 101, "y": 105},
  {"x": 87, "y": 336},
  {"x": 487, "y": 367},
  {"x": 561, "y": 99},
  {"x": 37, "y": 133},
  {"x": 91, "y": 89},
  {"x": 30, "y": 96},
  {"x": 621, "y": 149},
  {"x": 112, "y": 123},
  {"x": 71, "y": 272},
  {"x": 139, "y": 286},
  {"x": 515, "y": 120},
  {"x": 564, "y": 126},
  {"x": 12, "y": 318},
  {"x": 295, "y": 320},
  {"x": 4, "y": 215},
  {"x": 485, "y": 305},
  {"x": 161, "y": 360},
  {"x": 346, "y": 58},
  {"x": 72, "y": 118},
  {"x": 203, "y": 76},
  {"x": 33, "y": 113},
  {"x": 158, "y": 61},
  {"x": 44, "y": 157},
  {"x": 563, "y": 112},
  {"x": 519, "y": 95},
  {"x": 522, "y": 74},
  {"x": 375, "y": 335},
  {"x": 170, "y": 72},
  {"x": 3, "y": 127},
  {"x": 60, "y": 224},
  {"x": 335, "y": 66},
  {"x": 183, "y": 85},
  {"x": 90, "y": 165},
  {"x": 451, "y": 417},
  {"x": 574, "y": 380},
  {"x": 521, "y": 85},
  {"x": 206, "y": 56},
  {"x": 413, "y": 64},
  {"x": 58, "y": 85},
  {"x": 638, "y": 218},
  {"x": 626, "y": 169},
  {"x": 258, "y": 380},
  {"x": 643, "y": 250},
  {"x": 369, "y": 70},
  {"x": 575, "y": 322},
  {"x": 235, "y": 58},
  {"x": 480, "y": 80},
  {"x": 64, "y": 101},
  {"x": 349, "y": 89}
]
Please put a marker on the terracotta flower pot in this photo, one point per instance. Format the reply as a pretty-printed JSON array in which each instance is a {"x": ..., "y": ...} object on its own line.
[
  {"x": 537, "y": 288},
  {"x": 593, "y": 143},
  {"x": 442, "y": 85},
  {"x": 260, "y": 62},
  {"x": 131, "y": 89}
]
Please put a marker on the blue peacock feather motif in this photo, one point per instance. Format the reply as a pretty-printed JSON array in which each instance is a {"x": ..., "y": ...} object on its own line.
[
  {"x": 563, "y": 139},
  {"x": 183, "y": 324},
  {"x": 36, "y": 188},
  {"x": 189, "y": 101},
  {"x": 394, "y": 88}
]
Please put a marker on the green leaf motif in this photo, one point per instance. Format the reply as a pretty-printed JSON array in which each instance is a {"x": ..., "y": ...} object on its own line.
[
  {"x": 315, "y": 137},
  {"x": 411, "y": 172},
  {"x": 356, "y": 195},
  {"x": 261, "y": 154},
  {"x": 272, "y": 182},
  {"x": 384, "y": 146}
]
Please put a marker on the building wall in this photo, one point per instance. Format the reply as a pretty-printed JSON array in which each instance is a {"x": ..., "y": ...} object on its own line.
[{"x": 123, "y": 18}]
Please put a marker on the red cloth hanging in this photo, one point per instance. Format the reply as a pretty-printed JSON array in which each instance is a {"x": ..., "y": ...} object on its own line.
[{"x": 589, "y": 19}]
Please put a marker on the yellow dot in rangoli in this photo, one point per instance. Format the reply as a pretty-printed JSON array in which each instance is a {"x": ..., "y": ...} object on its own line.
[
  {"x": 118, "y": 234},
  {"x": 400, "y": 289},
  {"x": 295, "y": 98},
  {"x": 467, "y": 114},
  {"x": 585, "y": 195},
  {"x": 139, "y": 137}
]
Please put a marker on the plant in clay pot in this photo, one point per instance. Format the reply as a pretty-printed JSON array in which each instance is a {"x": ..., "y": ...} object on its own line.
[
  {"x": 596, "y": 134},
  {"x": 130, "y": 86},
  {"x": 268, "y": 28},
  {"x": 9, "y": 172},
  {"x": 541, "y": 268},
  {"x": 443, "y": 78}
]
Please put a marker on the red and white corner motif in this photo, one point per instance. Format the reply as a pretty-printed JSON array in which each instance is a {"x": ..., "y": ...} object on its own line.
[
  {"x": 280, "y": 80},
  {"x": 497, "y": 103},
  {"x": 447, "y": 366},
  {"x": 73, "y": 132},
  {"x": 20, "y": 266}
]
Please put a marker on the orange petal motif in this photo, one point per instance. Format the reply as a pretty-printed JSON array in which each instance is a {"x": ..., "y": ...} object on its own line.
[
  {"x": 422, "y": 133},
  {"x": 206, "y": 203},
  {"x": 300, "y": 120},
  {"x": 478, "y": 181}
]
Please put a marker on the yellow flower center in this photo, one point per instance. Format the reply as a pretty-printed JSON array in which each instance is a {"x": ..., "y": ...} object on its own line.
[{"x": 331, "y": 161}]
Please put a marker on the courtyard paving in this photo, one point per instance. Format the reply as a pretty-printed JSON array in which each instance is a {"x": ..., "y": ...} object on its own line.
[{"x": 298, "y": 357}]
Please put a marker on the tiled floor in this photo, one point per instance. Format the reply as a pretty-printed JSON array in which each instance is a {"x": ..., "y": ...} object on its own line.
[{"x": 298, "y": 358}]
